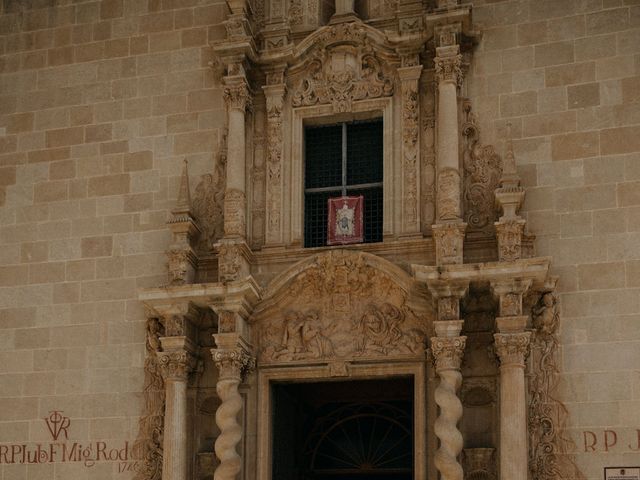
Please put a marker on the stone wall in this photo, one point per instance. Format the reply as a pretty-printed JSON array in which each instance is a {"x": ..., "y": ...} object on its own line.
[
  {"x": 99, "y": 103},
  {"x": 566, "y": 74}
]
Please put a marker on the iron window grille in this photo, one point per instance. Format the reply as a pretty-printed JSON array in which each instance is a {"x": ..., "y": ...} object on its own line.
[{"x": 343, "y": 159}]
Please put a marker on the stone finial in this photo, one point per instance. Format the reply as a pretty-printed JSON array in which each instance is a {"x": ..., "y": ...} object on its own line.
[
  {"x": 183, "y": 203},
  {"x": 510, "y": 194}
]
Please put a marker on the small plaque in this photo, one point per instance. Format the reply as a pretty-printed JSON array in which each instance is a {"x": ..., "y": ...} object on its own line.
[
  {"x": 622, "y": 473},
  {"x": 345, "y": 220}
]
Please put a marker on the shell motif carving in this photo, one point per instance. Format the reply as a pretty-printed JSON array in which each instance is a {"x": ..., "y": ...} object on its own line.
[{"x": 343, "y": 308}]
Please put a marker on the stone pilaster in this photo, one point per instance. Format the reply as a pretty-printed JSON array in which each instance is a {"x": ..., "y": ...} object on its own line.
[
  {"x": 233, "y": 360},
  {"x": 449, "y": 228},
  {"x": 176, "y": 362},
  {"x": 512, "y": 344},
  {"x": 274, "y": 92},
  {"x": 409, "y": 75}
]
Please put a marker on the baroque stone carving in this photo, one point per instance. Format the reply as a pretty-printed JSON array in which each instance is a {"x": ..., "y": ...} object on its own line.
[
  {"x": 180, "y": 263},
  {"x": 208, "y": 202},
  {"x": 176, "y": 365},
  {"x": 148, "y": 446},
  {"x": 410, "y": 131},
  {"x": 234, "y": 212},
  {"x": 447, "y": 353},
  {"x": 343, "y": 308},
  {"x": 448, "y": 194},
  {"x": 427, "y": 156},
  {"x": 275, "y": 98},
  {"x": 296, "y": 13},
  {"x": 237, "y": 97},
  {"x": 509, "y": 235},
  {"x": 512, "y": 348},
  {"x": 549, "y": 447},
  {"x": 448, "y": 67},
  {"x": 478, "y": 391},
  {"x": 449, "y": 239},
  {"x": 229, "y": 262},
  {"x": 343, "y": 74},
  {"x": 232, "y": 366},
  {"x": 482, "y": 171}
]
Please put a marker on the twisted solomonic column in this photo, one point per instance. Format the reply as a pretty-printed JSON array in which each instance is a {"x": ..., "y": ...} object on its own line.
[
  {"x": 447, "y": 353},
  {"x": 232, "y": 366}
]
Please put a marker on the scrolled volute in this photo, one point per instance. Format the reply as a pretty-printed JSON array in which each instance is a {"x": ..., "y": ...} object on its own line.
[{"x": 447, "y": 352}]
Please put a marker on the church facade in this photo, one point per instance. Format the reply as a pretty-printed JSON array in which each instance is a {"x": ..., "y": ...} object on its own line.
[{"x": 310, "y": 239}]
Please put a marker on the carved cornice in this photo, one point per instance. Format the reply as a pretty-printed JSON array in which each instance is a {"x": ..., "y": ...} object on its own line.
[
  {"x": 512, "y": 348},
  {"x": 448, "y": 352}
]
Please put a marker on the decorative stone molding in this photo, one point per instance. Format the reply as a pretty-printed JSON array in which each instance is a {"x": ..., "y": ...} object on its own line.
[
  {"x": 428, "y": 155},
  {"x": 176, "y": 365},
  {"x": 550, "y": 448},
  {"x": 232, "y": 365},
  {"x": 512, "y": 348},
  {"x": 409, "y": 77},
  {"x": 148, "y": 445},
  {"x": 275, "y": 102},
  {"x": 237, "y": 96},
  {"x": 449, "y": 239},
  {"x": 479, "y": 463},
  {"x": 234, "y": 213}
]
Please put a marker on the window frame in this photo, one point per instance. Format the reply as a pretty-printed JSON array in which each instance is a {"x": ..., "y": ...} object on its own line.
[{"x": 322, "y": 115}]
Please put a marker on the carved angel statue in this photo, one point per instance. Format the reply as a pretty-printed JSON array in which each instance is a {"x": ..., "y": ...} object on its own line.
[{"x": 545, "y": 314}]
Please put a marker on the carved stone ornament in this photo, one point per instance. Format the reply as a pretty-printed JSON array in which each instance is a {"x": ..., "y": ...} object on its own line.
[
  {"x": 447, "y": 352},
  {"x": 410, "y": 130},
  {"x": 341, "y": 74},
  {"x": 448, "y": 308},
  {"x": 176, "y": 365},
  {"x": 340, "y": 307},
  {"x": 174, "y": 326},
  {"x": 233, "y": 363},
  {"x": 237, "y": 97},
  {"x": 208, "y": 203},
  {"x": 275, "y": 101},
  {"x": 448, "y": 194},
  {"x": 147, "y": 448},
  {"x": 482, "y": 171},
  {"x": 296, "y": 12},
  {"x": 449, "y": 68},
  {"x": 512, "y": 348},
  {"x": 550, "y": 447},
  {"x": 510, "y": 305},
  {"x": 229, "y": 262},
  {"x": 180, "y": 266},
  {"x": 509, "y": 235},
  {"x": 478, "y": 391},
  {"x": 449, "y": 239},
  {"x": 234, "y": 213},
  {"x": 226, "y": 321},
  {"x": 479, "y": 463}
]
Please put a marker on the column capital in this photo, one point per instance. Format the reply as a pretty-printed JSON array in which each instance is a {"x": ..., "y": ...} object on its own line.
[
  {"x": 176, "y": 364},
  {"x": 448, "y": 352},
  {"x": 236, "y": 94},
  {"x": 233, "y": 363},
  {"x": 449, "y": 67},
  {"x": 512, "y": 348}
]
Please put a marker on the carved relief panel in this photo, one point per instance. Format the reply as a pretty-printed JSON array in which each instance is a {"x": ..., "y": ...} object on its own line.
[{"x": 340, "y": 307}]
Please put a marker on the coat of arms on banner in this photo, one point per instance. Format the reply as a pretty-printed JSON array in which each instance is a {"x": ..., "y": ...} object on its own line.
[{"x": 345, "y": 220}]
